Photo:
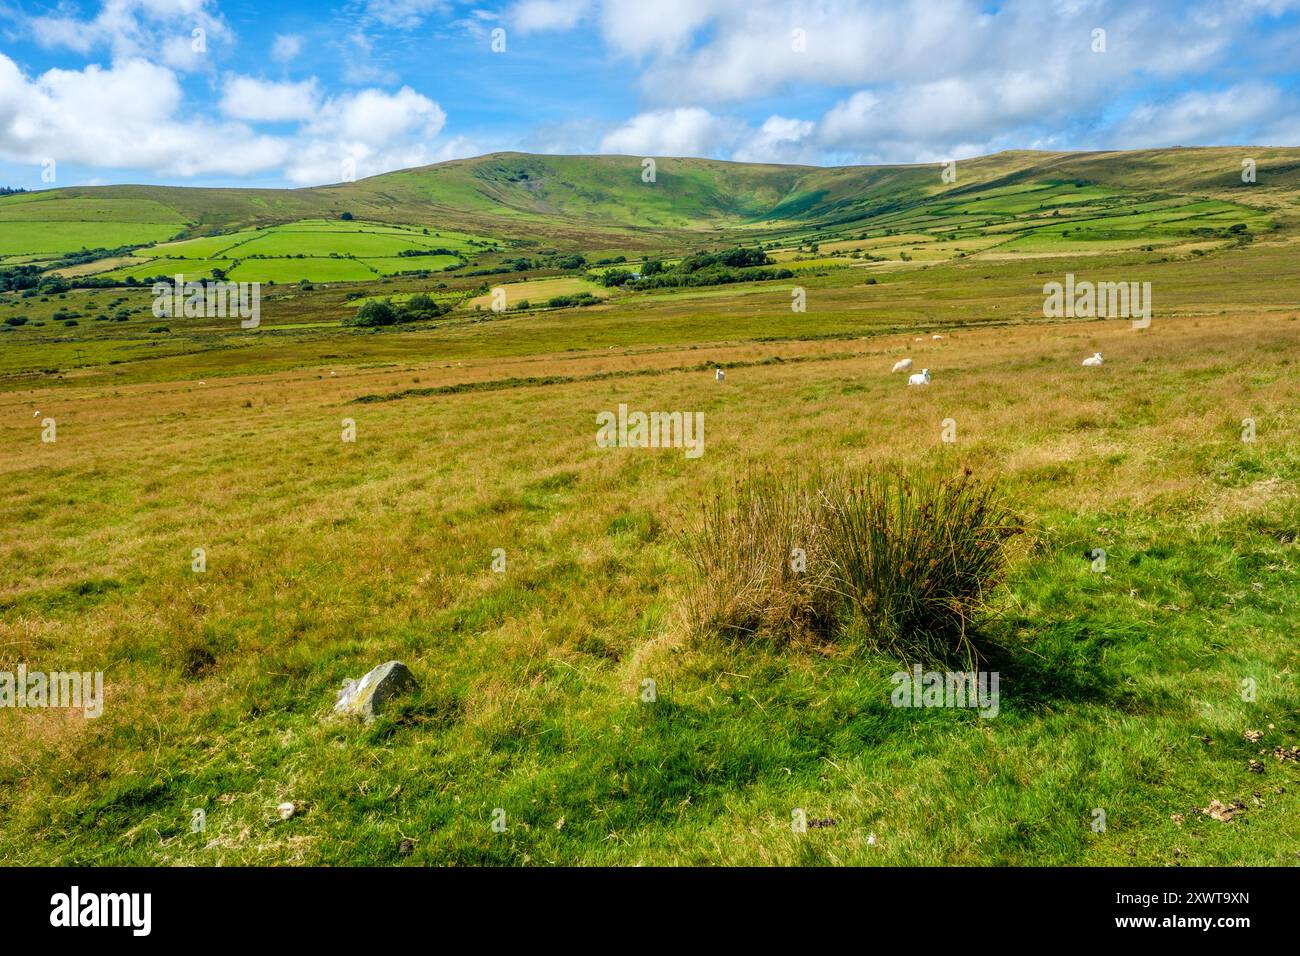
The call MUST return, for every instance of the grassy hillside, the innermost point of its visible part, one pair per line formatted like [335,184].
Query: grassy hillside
[601,201]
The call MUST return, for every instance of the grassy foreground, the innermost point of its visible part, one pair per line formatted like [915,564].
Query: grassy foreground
[1120,691]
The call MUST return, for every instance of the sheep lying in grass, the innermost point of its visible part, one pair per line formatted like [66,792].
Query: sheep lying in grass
[902,365]
[1094,361]
[919,378]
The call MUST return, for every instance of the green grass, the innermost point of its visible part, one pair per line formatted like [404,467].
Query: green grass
[1120,688]
[320,269]
[40,236]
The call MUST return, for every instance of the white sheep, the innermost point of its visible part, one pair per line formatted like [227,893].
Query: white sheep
[902,365]
[936,338]
[919,378]
[719,375]
[1094,361]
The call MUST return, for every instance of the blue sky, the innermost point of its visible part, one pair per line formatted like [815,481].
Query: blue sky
[234,92]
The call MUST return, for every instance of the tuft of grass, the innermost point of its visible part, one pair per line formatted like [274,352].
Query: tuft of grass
[907,558]
[758,563]
[917,555]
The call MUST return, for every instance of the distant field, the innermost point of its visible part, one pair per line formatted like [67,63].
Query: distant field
[319,251]
[320,269]
[37,236]
[539,290]
[191,268]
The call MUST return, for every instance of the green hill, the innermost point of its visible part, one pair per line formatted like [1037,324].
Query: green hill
[603,202]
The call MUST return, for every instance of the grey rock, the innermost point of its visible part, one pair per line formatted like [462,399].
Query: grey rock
[367,697]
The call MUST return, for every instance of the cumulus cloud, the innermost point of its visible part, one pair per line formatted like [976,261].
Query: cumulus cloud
[779,140]
[246,98]
[121,117]
[132,115]
[689,131]
[376,116]
[366,133]
[921,79]
[176,31]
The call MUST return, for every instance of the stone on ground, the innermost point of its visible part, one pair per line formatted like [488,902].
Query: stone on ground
[366,698]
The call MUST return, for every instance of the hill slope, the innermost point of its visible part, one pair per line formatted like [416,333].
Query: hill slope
[602,201]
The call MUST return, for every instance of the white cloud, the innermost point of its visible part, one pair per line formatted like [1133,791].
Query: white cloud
[527,16]
[779,140]
[133,116]
[359,66]
[1228,117]
[921,79]
[246,98]
[286,47]
[664,27]
[371,132]
[680,132]
[139,28]
[375,116]
[121,117]
[405,14]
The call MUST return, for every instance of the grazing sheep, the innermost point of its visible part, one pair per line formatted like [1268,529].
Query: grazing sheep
[902,365]
[936,337]
[1094,361]
[919,378]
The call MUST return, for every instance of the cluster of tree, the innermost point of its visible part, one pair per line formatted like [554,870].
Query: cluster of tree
[570,301]
[566,261]
[28,280]
[380,312]
[11,190]
[427,252]
[703,268]
[17,278]
[90,255]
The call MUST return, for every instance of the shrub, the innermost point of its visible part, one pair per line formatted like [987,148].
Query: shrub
[743,581]
[374,313]
[421,302]
[916,557]
[906,559]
